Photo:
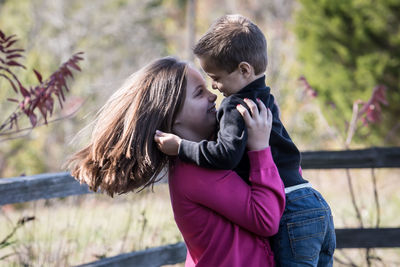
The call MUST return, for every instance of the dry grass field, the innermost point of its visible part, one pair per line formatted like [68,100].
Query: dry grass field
[82,229]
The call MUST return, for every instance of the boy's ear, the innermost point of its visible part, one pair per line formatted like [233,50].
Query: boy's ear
[245,68]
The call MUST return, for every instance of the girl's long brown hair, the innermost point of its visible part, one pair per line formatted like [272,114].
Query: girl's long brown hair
[122,155]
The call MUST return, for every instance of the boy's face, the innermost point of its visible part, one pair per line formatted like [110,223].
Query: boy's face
[226,83]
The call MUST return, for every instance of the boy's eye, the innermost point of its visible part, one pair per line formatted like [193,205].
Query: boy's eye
[214,78]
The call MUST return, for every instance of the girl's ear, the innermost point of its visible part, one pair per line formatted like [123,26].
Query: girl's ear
[245,69]
[176,124]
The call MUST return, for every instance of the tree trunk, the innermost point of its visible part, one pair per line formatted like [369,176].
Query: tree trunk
[191,28]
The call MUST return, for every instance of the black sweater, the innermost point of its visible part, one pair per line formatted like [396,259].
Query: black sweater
[228,151]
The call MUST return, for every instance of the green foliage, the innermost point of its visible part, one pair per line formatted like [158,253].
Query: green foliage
[347,47]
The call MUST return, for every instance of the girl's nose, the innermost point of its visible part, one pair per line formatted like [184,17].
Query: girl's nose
[212,97]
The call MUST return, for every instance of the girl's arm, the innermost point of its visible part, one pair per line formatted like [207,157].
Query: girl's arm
[259,207]
[256,208]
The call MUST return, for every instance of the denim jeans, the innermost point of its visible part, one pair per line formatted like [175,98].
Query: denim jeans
[306,235]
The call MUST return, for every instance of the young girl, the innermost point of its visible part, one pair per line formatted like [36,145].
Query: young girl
[223,220]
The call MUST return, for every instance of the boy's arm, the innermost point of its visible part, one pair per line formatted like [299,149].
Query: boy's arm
[227,151]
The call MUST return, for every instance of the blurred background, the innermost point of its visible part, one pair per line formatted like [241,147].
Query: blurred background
[334,67]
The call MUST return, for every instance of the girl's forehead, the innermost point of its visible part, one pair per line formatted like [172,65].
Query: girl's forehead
[203,73]
[195,76]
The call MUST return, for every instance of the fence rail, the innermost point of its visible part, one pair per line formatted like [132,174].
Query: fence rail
[176,253]
[152,257]
[368,238]
[41,186]
[53,185]
[374,157]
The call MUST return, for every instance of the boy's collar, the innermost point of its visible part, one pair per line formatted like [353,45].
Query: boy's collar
[258,83]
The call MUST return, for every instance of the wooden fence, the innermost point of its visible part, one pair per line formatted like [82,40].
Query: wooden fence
[53,185]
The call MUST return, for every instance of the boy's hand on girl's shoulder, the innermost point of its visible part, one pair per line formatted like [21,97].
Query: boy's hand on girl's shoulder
[167,143]
[258,122]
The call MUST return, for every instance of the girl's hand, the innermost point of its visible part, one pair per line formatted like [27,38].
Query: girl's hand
[167,143]
[259,124]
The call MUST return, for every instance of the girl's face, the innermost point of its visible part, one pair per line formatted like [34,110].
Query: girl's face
[196,120]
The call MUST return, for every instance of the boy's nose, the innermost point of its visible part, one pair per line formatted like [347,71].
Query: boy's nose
[212,97]
[214,85]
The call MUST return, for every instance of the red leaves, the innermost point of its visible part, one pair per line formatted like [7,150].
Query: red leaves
[41,96]
[371,110]
[73,65]
[307,87]
[9,61]
[33,119]
[10,43]
[38,75]
[10,81]
[13,56]
[23,91]
[37,97]
[5,43]
[12,100]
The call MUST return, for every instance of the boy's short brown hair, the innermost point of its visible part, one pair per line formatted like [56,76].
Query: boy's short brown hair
[232,39]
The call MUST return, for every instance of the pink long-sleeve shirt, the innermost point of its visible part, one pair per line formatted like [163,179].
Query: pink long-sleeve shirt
[223,220]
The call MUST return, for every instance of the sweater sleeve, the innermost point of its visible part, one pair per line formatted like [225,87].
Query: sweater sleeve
[226,152]
[257,208]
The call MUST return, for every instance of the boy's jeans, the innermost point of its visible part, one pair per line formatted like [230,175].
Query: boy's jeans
[306,234]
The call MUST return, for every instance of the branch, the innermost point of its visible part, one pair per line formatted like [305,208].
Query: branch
[37,125]
[376,198]
[41,97]
[351,263]
[353,198]
[34,98]
[20,223]
[353,124]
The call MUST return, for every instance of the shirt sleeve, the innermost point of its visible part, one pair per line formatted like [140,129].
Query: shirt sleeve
[257,207]
[226,152]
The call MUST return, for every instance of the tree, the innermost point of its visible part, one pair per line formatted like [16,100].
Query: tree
[348,48]
[119,36]
[39,98]
[30,101]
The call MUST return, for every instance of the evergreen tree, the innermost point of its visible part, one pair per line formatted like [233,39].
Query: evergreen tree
[347,48]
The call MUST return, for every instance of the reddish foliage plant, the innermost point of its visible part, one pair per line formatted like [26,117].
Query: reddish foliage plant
[370,112]
[39,97]
[307,87]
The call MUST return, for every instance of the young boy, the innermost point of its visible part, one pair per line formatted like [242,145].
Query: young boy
[233,53]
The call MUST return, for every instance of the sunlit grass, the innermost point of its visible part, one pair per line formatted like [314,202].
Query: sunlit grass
[81,229]
[334,187]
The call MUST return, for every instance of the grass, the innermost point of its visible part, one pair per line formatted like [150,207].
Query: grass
[333,186]
[81,229]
